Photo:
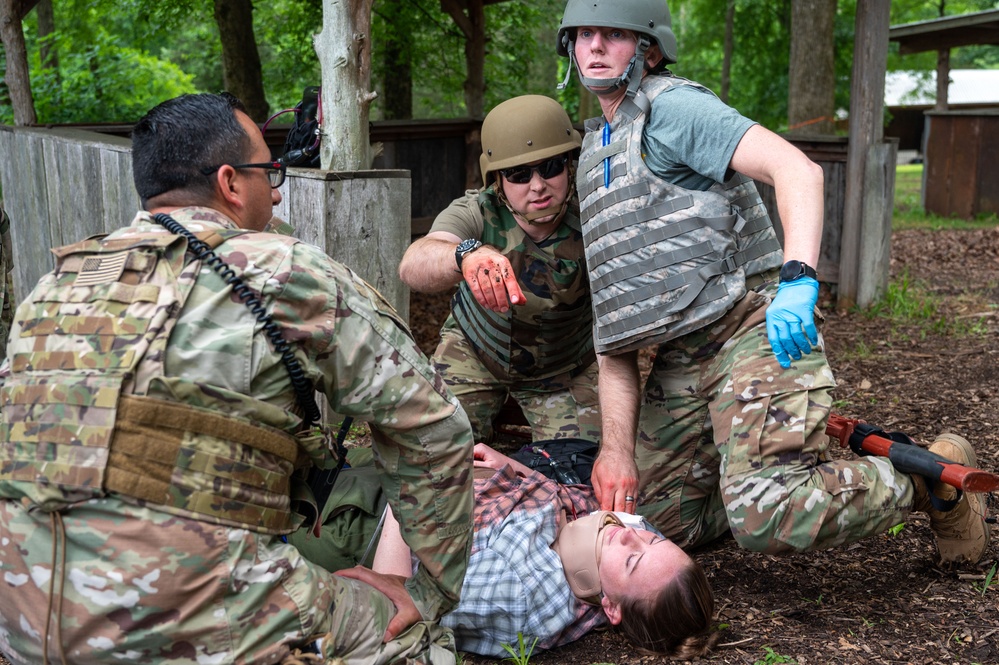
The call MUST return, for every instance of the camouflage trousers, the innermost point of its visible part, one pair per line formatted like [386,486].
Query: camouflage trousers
[559,407]
[106,581]
[729,441]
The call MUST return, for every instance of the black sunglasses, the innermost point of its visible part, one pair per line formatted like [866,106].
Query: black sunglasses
[520,175]
[275,170]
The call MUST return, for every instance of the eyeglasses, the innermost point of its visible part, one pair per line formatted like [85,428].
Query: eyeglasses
[548,169]
[276,171]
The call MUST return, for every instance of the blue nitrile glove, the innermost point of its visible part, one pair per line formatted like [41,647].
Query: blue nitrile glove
[791,319]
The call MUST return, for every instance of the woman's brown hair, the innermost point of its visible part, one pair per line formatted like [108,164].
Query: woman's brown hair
[677,621]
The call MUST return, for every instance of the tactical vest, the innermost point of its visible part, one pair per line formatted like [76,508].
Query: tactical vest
[663,260]
[552,333]
[76,423]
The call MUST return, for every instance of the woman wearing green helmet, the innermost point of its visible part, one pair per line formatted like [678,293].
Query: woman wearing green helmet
[730,434]
[520,321]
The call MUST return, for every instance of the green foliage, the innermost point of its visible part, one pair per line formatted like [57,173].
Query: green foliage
[759,70]
[119,57]
[104,81]
[897,529]
[520,53]
[771,657]
[522,654]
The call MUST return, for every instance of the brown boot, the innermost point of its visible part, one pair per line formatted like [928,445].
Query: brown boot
[962,534]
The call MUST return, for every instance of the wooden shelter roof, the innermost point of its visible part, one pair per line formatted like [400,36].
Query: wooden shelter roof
[947,32]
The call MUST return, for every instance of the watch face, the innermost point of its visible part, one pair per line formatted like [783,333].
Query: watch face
[467,245]
[790,271]
[464,247]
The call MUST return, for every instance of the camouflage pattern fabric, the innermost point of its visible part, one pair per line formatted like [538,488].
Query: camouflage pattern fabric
[6,280]
[562,406]
[127,581]
[548,335]
[729,441]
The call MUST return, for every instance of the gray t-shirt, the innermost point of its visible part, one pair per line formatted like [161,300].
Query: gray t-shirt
[690,137]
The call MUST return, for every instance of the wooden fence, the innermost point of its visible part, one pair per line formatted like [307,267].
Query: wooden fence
[61,185]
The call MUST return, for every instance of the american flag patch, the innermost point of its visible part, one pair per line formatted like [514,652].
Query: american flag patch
[102,269]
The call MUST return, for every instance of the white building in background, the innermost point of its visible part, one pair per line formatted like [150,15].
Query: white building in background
[967,86]
[909,94]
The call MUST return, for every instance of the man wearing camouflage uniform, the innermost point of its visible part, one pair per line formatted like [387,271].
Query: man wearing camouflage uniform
[155,400]
[520,322]
[682,254]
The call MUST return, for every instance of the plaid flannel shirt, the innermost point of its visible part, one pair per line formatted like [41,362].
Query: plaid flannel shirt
[515,582]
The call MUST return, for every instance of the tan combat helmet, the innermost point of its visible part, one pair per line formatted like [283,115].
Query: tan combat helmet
[523,130]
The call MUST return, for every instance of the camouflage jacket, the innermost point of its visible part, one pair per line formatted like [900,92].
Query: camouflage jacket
[350,344]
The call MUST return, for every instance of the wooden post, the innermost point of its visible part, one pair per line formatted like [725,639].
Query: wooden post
[875,236]
[360,218]
[943,79]
[867,90]
[344,50]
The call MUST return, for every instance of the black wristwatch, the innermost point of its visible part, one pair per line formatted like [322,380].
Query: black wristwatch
[464,247]
[792,270]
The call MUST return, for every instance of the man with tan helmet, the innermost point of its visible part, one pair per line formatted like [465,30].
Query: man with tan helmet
[520,322]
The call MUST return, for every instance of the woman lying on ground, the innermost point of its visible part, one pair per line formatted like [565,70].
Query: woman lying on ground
[546,563]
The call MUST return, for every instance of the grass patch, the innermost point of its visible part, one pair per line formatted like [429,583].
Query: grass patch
[910,214]
[909,303]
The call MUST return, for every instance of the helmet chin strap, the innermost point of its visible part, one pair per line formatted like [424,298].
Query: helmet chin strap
[604,87]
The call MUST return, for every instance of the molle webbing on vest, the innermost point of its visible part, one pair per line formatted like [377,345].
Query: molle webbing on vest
[224,468]
[560,337]
[551,333]
[663,260]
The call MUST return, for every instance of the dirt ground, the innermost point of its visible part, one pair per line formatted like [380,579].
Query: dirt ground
[882,600]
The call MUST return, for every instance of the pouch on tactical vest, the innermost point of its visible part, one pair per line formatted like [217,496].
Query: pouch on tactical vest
[663,260]
[74,423]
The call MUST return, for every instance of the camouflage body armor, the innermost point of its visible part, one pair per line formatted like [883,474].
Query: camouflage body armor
[663,260]
[88,345]
[551,333]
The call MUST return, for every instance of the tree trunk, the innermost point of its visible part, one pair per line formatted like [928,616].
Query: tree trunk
[17,74]
[241,72]
[397,62]
[728,49]
[49,54]
[344,53]
[812,86]
[473,25]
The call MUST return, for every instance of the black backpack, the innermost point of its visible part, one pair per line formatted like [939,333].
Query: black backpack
[569,461]
[301,147]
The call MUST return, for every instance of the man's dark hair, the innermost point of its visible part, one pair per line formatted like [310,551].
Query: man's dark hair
[181,136]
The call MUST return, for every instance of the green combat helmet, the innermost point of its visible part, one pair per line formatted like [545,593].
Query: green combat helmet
[523,130]
[647,18]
